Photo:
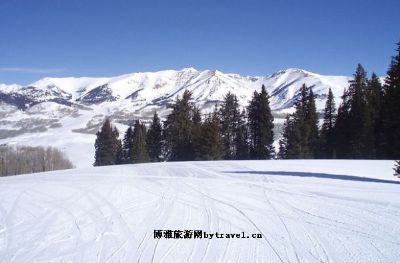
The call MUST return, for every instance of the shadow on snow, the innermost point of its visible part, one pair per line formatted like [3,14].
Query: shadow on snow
[317,175]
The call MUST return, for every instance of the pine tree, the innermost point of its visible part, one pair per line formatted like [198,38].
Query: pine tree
[241,140]
[312,124]
[154,139]
[397,168]
[253,123]
[127,146]
[139,151]
[391,109]
[342,127]
[120,153]
[106,145]
[178,129]
[353,125]
[359,122]
[211,147]
[374,100]
[300,131]
[230,121]
[303,137]
[261,126]
[327,133]
[196,133]
[284,141]
[118,147]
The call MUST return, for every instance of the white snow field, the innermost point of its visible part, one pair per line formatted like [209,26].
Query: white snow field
[306,211]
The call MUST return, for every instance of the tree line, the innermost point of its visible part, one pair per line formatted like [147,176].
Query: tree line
[366,125]
[226,133]
[24,160]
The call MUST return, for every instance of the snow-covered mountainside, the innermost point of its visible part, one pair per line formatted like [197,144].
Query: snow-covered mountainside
[66,112]
[305,211]
[156,89]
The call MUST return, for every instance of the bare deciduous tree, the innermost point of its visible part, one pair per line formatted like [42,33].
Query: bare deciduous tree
[24,160]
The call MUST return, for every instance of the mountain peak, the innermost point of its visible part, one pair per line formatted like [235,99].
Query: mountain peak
[293,70]
[190,69]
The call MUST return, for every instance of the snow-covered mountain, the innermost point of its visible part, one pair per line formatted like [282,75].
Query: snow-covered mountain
[156,89]
[53,109]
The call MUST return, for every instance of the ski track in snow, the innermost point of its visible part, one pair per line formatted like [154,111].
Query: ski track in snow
[108,214]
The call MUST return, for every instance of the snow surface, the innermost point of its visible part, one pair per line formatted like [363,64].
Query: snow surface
[306,211]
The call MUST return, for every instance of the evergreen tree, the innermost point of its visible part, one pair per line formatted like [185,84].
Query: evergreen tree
[118,147]
[120,153]
[391,109]
[230,121]
[359,122]
[374,100]
[211,147]
[106,145]
[241,140]
[284,141]
[178,130]
[300,131]
[342,127]
[139,150]
[397,168]
[196,133]
[261,126]
[312,124]
[327,133]
[354,127]
[154,139]
[127,146]
[298,143]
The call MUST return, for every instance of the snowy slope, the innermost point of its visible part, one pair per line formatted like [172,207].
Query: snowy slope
[306,211]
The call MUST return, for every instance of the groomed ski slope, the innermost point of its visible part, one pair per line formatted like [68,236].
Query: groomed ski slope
[306,211]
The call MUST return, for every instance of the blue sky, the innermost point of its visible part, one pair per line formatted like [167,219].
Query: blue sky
[111,37]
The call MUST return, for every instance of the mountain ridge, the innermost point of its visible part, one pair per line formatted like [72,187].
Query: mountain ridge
[67,112]
[161,86]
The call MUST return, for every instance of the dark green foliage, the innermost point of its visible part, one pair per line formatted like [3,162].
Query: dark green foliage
[391,109]
[231,121]
[286,141]
[178,130]
[397,168]
[106,145]
[120,153]
[355,126]
[360,125]
[118,147]
[374,101]
[139,151]
[327,148]
[311,120]
[342,131]
[154,139]
[196,134]
[127,145]
[242,138]
[261,126]
[300,131]
[211,147]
